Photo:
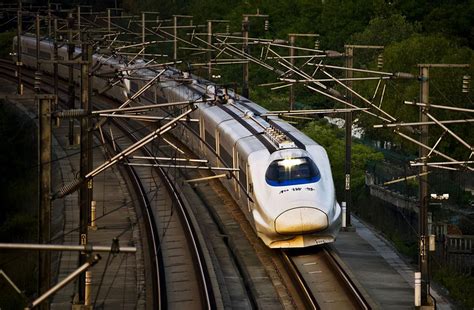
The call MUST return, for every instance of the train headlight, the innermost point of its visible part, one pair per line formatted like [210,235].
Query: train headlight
[290,162]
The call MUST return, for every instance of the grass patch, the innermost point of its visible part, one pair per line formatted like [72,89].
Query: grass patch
[405,247]
[460,287]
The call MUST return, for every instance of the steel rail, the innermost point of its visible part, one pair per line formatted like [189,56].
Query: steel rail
[152,234]
[199,256]
[349,283]
[308,296]
[159,281]
[207,292]
[308,290]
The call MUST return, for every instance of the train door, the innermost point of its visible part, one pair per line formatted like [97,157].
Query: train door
[235,164]
[201,134]
[251,198]
[218,148]
[210,139]
[244,181]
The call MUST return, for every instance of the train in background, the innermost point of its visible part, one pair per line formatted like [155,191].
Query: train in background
[283,184]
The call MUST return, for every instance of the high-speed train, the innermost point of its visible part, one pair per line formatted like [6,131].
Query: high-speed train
[282,180]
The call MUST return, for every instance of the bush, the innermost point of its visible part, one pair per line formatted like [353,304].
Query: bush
[460,287]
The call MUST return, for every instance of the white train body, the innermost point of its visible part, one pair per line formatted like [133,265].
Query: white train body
[284,183]
[294,207]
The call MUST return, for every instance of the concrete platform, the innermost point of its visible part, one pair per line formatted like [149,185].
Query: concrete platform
[379,268]
[118,280]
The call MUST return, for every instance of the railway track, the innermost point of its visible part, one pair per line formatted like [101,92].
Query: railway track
[182,259]
[323,281]
[179,273]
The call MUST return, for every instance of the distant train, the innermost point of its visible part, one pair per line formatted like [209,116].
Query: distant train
[284,183]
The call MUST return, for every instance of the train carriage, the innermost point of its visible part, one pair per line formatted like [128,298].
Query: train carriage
[284,183]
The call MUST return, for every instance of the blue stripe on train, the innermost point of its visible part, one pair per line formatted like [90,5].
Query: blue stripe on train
[294,181]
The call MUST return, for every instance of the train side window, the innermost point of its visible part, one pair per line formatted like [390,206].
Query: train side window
[133,87]
[150,95]
[226,157]
[44,55]
[194,126]
[210,139]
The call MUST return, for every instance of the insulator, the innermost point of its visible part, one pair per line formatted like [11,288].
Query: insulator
[37,82]
[73,113]
[334,92]
[380,61]
[68,188]
[316,44]
[267,24]
[466,81]
[227,28]
[404,75]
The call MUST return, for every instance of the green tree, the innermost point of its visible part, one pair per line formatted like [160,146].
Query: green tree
[332,139]
[445,84]
[385,30]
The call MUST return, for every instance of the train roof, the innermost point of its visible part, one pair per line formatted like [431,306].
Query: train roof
[242,118]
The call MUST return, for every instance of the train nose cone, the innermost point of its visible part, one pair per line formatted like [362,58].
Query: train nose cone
[301,220]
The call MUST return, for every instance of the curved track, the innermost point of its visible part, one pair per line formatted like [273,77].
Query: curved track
[178,279]
[317,272]
[181,257]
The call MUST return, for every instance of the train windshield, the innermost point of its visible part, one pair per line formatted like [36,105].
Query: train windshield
[292,171]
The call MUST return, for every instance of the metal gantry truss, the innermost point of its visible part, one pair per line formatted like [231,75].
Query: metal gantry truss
[129,40]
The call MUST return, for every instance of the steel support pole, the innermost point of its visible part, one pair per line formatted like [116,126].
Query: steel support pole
[143,33]
[175,38]
[108,21]
[37,82]
[79,23]
[292,61]
[56,58]
[49,20]
[71,84]
[19,64]
[245,48]
[423,259]
[44,157]
[348,126]
[209,54]
[85,192]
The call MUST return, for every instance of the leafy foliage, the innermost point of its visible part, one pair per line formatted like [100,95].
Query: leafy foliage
[332,139]
[460,287]
[18,176]
[6,39]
